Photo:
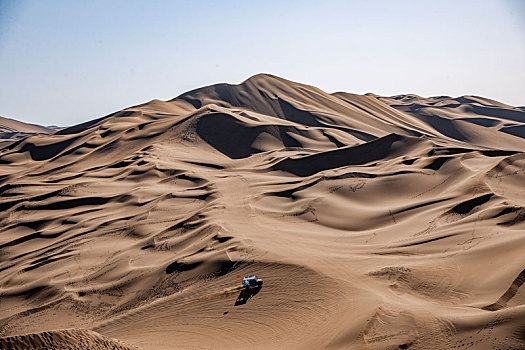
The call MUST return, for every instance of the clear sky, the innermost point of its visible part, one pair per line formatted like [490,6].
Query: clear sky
[65,62]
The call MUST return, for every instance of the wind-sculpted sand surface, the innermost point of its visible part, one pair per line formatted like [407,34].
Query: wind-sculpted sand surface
[375,222]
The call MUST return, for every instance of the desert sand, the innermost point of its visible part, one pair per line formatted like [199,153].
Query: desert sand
[12,130]
[375,222]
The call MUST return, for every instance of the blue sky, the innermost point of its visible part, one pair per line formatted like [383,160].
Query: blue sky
[65,62]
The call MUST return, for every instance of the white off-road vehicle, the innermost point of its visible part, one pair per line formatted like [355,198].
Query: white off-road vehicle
[251,282]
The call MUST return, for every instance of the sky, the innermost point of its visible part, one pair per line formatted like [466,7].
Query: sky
[66,62]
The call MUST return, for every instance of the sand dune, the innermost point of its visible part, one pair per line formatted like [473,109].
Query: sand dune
[375,222]
[12,130]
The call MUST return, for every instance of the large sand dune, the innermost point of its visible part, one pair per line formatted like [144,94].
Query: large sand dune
[375,222]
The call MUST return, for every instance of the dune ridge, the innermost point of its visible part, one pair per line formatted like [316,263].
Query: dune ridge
[375,222]
[61,339]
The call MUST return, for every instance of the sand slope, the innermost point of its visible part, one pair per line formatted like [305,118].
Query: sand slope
[63,339]
[375,222]
[12,130]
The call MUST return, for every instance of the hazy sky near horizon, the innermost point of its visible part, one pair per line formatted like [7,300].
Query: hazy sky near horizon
[65,62]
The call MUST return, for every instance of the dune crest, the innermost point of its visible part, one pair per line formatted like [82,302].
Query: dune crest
[375,222]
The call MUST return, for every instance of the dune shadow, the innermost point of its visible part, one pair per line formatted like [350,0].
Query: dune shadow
[371,151]
[246,294]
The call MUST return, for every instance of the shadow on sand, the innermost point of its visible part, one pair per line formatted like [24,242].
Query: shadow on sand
[246,294]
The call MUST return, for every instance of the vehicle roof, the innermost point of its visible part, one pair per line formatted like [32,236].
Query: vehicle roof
[249,277]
